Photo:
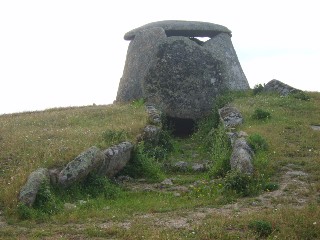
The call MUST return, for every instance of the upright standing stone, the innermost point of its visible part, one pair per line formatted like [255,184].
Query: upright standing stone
[140,53]
[222,49]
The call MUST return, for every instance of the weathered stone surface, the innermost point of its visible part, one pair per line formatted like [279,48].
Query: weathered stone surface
[29,191]
[241,157]
[54,176]
[181,166]
[182,28]
[184,79]
[140,53]
[198,167]
[167,182]
[79,168]
[222,49]
[151,134]
[315,127]
[115,158]
[154,115]
[230,116]
[279,87]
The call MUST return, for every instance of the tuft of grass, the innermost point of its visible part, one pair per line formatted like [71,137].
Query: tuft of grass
[238,182]
[260,114]
[300,95]
[257,142]
[261,227]
[220,153]
[142,165]
[258,88]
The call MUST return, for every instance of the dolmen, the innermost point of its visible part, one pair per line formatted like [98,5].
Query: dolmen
[170,67]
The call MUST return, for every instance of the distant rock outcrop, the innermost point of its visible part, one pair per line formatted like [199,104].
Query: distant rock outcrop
[279,87]
[177,73]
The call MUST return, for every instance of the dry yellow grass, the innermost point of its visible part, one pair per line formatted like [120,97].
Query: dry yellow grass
[54,137]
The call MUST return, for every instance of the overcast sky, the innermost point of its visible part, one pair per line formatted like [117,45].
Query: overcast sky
[61,53]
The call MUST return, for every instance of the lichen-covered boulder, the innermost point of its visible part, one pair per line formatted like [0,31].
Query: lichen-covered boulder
[230,116]
[115,159]
[184,79]
[154,115]
[151,134]
[79,168]
[29,191]
[241,157]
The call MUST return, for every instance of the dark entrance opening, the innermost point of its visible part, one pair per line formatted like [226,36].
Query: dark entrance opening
[181,127]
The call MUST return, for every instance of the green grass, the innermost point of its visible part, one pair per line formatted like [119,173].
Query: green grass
[54,137]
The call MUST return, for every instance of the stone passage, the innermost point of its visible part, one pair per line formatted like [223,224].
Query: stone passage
[176,72]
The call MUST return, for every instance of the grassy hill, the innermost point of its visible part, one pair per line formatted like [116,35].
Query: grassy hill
[281,201]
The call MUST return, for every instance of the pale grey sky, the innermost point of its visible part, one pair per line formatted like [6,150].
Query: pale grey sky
[71,52]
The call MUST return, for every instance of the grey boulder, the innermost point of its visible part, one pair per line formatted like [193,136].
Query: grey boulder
[241,157]
[29,191]
[79,168]
[230,116]
[279,87]
[115,159]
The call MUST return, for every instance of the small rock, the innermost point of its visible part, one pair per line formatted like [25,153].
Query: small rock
[315,127]
[82,202]
[230,116]
[167,181]
[176,194]
[151,134]
[124,179]
[181,166]
[182,189]
[197,167]
[242,134]
[69,206]
[147,189]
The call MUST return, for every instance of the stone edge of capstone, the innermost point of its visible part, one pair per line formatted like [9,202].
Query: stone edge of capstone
[179,25]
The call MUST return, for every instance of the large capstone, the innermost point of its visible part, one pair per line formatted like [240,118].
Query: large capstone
[178,74]
[182,28]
